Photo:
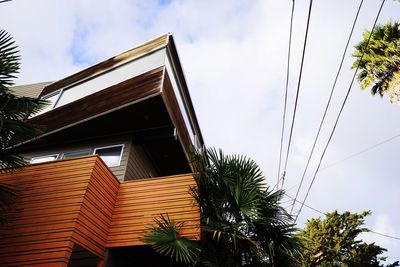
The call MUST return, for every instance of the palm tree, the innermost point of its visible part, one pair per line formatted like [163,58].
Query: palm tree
[242,222]
[380,65]
[13,114]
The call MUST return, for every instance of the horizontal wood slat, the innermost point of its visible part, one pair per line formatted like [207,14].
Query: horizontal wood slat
[59,204]
[138,205]
[79,202]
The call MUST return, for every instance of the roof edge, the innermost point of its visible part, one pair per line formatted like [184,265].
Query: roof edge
[131,54]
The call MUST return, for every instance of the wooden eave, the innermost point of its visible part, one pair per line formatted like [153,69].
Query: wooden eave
[130,55]
[112,98]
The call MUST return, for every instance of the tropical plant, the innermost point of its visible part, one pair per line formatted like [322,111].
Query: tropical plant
[242,222]
[332,241]
[13,114]
[379,61]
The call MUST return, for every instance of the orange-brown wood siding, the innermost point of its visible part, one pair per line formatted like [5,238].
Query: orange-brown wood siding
[140,201]
[59,204]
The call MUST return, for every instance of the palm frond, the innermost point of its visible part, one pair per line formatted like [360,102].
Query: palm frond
[9,60]
[166,240]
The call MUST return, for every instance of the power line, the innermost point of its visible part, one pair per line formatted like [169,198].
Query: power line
[328,103]
[340,111]
[385,235]
[286,89]
[350,157]
[297,92]
[323,213]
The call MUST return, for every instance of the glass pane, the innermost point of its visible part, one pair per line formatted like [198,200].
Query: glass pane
[76,154]
[110,155]
[44,159]
[51,99]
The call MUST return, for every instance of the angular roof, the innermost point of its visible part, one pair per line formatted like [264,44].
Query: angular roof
[30,90]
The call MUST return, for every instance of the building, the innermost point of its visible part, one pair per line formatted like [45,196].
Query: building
[115,153]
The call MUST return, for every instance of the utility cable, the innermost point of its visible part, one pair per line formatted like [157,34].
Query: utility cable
[341,110]
[365,150]
[323,213]
[328,103]
[286,90]
[297,92]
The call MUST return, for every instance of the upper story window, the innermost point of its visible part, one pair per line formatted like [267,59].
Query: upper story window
[52,99]
[45,158]
[111,155]
[76,154]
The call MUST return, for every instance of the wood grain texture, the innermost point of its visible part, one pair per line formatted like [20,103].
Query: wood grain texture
[129,55]
[116,96]
[79,202]
[59,204]
[140,201]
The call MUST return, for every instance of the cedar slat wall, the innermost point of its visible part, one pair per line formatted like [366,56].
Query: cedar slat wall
[140,201]
[58,204]
[80,202]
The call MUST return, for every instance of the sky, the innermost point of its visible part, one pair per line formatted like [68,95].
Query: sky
[234,58]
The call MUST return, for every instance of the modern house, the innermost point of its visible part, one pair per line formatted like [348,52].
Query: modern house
[114,154]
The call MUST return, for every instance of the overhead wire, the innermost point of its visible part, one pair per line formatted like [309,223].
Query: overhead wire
[328,103]
[365,150]
[286,89]
[341,110]
[297,92]
[323,213]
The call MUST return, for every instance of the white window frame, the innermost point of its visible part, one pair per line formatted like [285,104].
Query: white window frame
[120,156]
[44,156]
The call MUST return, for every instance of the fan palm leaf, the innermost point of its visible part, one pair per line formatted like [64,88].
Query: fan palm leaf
[379,60]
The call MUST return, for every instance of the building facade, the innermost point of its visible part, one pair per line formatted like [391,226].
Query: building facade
[114,154]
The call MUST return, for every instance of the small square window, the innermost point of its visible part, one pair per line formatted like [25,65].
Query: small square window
[111,155]
[76,154]
[44,158]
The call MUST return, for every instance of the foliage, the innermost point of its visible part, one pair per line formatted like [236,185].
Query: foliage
[167,240]
[241,220]
[380,65]
[332,241]
[13,113]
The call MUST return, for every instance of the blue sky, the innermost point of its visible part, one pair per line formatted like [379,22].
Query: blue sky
[234,55]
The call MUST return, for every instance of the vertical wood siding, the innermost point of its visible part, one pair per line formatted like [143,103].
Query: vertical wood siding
[138,166]
[59,204]
[140,201]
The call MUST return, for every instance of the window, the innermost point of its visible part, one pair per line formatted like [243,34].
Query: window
[76,154]
[111,155]
[52,99]
[44,158]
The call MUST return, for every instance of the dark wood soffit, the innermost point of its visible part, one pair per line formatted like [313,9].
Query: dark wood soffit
[171,103]
[131,54]
[140,87]
[175,57]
